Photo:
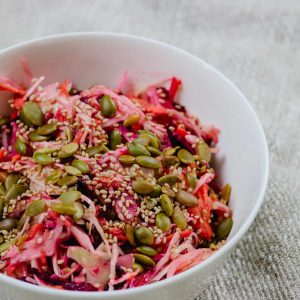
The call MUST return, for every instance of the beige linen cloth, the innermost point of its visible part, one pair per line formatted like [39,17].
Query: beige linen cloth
[255,43]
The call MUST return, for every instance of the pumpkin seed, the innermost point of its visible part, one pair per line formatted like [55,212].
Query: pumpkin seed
[11,179]
[70,196]
[92,151]
[224,229]
[35,137]
[127,159]
[144,235]
[15,191]
[191,179]
[4,120]
[8,224]
[154,141]
[153,150]
[169,179]
[47,129]
[148,162]
[69,134]
[143,140]
[179,218]
[108,106]
[1,239]
[168,191]
[2,190]
[81,165]
[46,150]
[115,139]
[20,147]
[22,221]
[143,187]
[64,208]
[54,176]
[5,246]
[2,204]
[35,208]
[137,149]
[162,221]
[42,159]
[156,191]
[226,191]
[131,120]
[168,161]
[187,199]
[32,114]
[203,151]
[3,176]
[144,260]
[73,171]
[79,211]
[68,150]
[130,234]
[72,188]
[170,151]
[166,204]
[185,156]
[67,181]
[149,251]
[137,266]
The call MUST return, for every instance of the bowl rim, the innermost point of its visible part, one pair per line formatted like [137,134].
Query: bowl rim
[4,279]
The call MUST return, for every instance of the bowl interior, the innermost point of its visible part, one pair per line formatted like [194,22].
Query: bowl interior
[100,58]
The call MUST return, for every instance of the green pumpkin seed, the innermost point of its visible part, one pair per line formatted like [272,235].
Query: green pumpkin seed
[54,176]
[1,239]
[108,106]
[42,159]
[168,191]
[154,141]
[170,151]
[8,224]
[70,196]
[224,229]
[22,221]
[73,171]
[67,181]
[187,199]
[115,139]
[2,190]
[143,140]
[137,149]
[144,235]
[3,176]
[156,191]
[162,221]
[185,156]
[15,191]
[179,218]
[11,179]
[148,162]
[72,188]
[81,165]
[79,211]
[203,151]
[4,120]
[130,234]
[169,179]
[69,134]
[20,147]
[2,205]
[153,150]
[137,266]
[166,204]
[144,260]
[127,159]
[68,150]
[64,208]
[47,129]
[168,161]
[149,251]
[32,114]
[92,151]
[35,208]
[143,187]
[5,246]
[35,137]
[226,191]
[191,179]
[131,120]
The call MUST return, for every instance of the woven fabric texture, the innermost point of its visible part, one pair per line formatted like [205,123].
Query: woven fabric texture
[256,44]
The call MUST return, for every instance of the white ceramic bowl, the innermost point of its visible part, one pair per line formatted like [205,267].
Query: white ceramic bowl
[87,58]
